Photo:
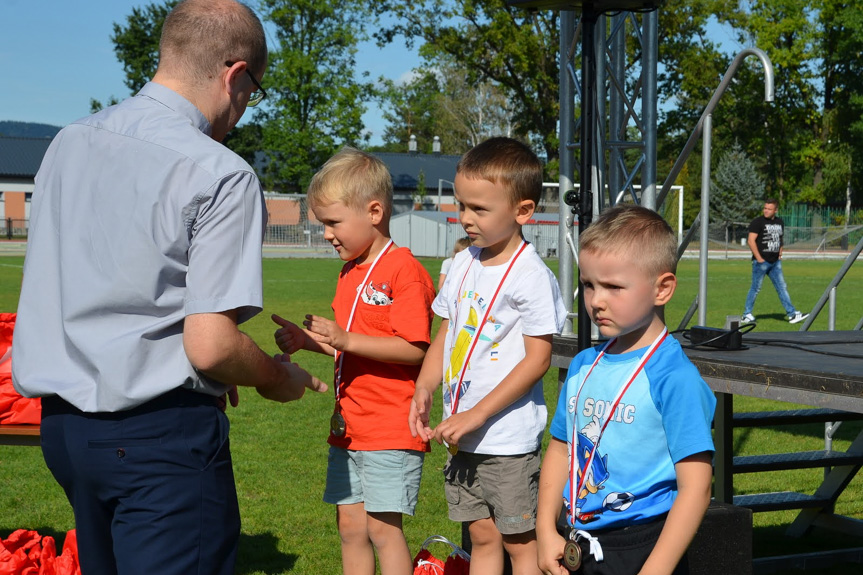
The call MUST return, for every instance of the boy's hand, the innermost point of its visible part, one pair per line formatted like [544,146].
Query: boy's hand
[418,418]
[326,331]
[549,554]
[454,427]
[289,337]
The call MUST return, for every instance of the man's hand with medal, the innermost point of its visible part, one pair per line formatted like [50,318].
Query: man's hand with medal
[322,335]
[294,383]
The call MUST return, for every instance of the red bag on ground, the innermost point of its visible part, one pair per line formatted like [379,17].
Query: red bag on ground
[14,409]
[28,553]
[457,562]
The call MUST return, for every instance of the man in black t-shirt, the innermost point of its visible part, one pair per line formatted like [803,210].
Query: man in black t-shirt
[765,242]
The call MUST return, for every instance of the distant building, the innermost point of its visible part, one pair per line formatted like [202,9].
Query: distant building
[433,234]
[438,170]
[19,161]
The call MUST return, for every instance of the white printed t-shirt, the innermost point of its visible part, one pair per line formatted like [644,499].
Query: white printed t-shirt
[529,303]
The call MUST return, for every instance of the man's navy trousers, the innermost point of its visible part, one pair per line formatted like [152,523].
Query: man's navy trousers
[152,488]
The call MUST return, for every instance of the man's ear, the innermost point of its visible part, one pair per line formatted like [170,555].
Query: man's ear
[376,212]
[665,285]
[524,211]
[233,75]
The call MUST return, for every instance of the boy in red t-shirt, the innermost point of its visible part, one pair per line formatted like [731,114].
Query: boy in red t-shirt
[379,338]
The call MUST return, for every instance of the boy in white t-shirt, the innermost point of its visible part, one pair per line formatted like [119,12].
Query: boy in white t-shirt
[500,306]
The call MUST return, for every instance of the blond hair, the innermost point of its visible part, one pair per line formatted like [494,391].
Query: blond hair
[505,162]
[354,178]
[630,230]
[199,36]
[460,244]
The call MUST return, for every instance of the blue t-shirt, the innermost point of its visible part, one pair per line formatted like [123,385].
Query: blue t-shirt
[663,417]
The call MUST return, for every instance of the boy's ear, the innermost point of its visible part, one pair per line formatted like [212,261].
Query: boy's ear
[665,285]
[524,211]
[376,212]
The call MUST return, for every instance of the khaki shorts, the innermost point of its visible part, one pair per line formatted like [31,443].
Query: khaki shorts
[503,487]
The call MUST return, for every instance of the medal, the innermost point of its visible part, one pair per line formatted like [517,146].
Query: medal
[337,425]
[572,555]
[452,448]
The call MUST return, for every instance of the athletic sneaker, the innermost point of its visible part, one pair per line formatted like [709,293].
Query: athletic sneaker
[748,318]
[797,317]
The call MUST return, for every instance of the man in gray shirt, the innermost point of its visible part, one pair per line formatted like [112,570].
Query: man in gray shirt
[144,255]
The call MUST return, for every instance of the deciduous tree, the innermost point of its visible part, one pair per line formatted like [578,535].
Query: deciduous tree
[316,102]
[515,49]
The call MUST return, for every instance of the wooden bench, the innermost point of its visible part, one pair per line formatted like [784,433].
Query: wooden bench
[19,435]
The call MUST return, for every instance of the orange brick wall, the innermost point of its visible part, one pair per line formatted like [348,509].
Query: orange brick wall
[285,212]
[14,205]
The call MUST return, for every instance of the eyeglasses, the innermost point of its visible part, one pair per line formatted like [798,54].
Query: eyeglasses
[259,94]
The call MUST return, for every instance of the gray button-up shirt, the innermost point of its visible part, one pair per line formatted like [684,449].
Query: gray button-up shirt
[138,219]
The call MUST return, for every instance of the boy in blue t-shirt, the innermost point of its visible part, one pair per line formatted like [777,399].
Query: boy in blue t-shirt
[631,445]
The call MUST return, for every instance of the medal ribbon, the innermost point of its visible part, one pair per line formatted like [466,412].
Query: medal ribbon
[339,356]
[573,462]
[454,394]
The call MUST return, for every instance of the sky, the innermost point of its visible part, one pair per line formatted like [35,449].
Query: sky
[57,54]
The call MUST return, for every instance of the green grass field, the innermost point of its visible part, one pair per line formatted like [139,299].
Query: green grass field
[280,450]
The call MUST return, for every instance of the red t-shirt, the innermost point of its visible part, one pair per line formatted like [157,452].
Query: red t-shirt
[375,396]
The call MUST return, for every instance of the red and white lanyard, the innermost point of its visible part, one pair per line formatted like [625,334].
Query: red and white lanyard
[454,390]
[339,356]
[573,457]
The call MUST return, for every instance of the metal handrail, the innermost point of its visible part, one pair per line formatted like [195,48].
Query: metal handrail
[723,85]
[849,261]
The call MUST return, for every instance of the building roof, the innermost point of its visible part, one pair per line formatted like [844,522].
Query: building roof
[21,157]
[405,169]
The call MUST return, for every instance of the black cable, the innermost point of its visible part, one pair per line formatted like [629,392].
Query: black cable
[725,333]
[779,343]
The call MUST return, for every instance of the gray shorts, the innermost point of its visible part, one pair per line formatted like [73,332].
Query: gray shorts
[503,487]
[386,481]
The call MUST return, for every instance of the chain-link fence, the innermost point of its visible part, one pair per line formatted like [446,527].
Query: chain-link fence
[732,236]
[293,229]
[292,225]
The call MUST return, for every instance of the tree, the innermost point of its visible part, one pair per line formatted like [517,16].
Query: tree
[315,103]
[736,189]
[801,141]
[474,112]
[421,191]
[137,44]
[491,41]
[137,47]
[411,108]
[841,46]
[440,102]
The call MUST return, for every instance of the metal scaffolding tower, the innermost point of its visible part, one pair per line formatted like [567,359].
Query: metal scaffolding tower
[608,102]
